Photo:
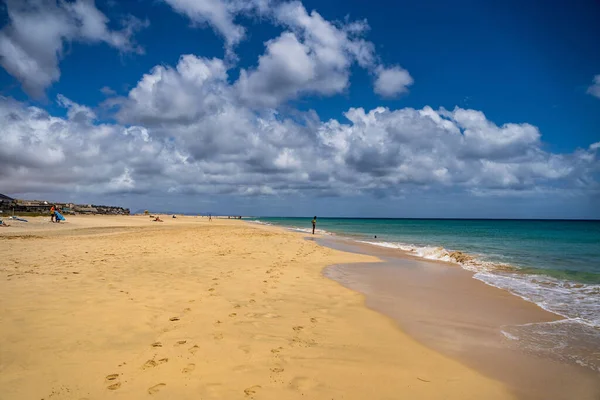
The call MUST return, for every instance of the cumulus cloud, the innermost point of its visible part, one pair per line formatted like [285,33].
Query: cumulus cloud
[290,69]
[220,14]
[197,86]
[313,57]
[594,89]
[185,128]
[391,82]
[31,43]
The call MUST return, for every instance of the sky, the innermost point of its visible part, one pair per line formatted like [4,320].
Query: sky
[464,109]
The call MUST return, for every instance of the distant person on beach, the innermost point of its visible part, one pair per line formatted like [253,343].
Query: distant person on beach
[210,217]
[52,209]
[314,222]
[59,211]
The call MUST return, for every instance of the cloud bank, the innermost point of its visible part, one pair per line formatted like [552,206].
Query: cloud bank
[188,129]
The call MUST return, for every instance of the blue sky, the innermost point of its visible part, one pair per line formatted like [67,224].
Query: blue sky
[469,109]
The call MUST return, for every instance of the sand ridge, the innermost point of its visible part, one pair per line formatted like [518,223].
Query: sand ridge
[120,307]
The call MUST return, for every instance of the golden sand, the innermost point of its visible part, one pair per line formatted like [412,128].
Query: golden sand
[121,307]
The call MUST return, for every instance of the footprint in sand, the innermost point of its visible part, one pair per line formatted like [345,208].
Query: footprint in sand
[154,363]
[173,319]
[313,320]
[298,328]
[112,377]
[186,310]
[252,390]
[276,375]
[189,368]
[232,314]
[237,306]
[156,344]
[301,383]
[180,342]
[245,348]
[194,349]
[156,388]
[218,336]
[211,289]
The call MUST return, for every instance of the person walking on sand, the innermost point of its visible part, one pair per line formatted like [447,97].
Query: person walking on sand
[314,222]
[52,215]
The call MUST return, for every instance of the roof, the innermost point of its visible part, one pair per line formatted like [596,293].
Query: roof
[5,198]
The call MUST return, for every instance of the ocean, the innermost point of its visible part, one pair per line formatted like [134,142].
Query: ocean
[553,263]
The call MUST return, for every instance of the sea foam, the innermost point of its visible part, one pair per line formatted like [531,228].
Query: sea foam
[568,339]
[568,299]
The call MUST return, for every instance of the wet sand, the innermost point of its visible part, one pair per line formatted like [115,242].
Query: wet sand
[121,307]
[443,307]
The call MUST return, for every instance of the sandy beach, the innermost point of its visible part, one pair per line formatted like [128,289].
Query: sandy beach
[121,307]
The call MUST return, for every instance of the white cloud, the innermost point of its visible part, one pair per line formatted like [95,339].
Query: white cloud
[220,14]
[290,69]
[594,89]
[217,13]
[107,91]
[312,58]
[31,43]
[391,82]
[195,87]
[331,43]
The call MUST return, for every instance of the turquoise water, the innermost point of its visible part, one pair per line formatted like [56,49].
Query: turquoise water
[555,264]
[564,249]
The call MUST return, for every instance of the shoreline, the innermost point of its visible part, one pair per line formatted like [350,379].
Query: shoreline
[574,337]
[121,307]
[443,307]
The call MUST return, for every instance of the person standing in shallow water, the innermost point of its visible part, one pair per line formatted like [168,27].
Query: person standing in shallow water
[314,222]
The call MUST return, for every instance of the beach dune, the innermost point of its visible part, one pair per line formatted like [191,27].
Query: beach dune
[121,307]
